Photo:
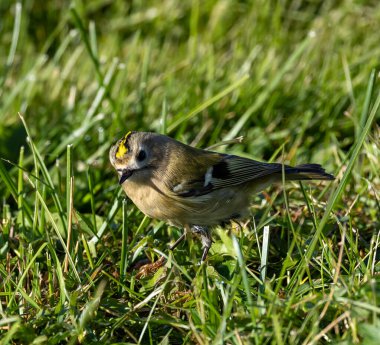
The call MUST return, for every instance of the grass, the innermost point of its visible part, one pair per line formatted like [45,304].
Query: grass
[299,80]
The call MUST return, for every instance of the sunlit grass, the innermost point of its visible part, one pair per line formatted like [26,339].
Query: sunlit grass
[298,81]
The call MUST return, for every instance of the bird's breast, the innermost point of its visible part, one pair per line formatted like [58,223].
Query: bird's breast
[146,198]
[211,209]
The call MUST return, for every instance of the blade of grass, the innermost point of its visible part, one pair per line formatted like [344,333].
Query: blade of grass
[69,224]
[87,251]
[93,46]
[90,181]
[20,187]
[368,97]
[244,277]
[264,257]
[164,113]
[263,270]
[14,42]
[69,201]
[124,243]
[15,34]
[69,175]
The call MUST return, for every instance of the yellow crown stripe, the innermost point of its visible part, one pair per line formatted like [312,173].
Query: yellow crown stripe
[122,149]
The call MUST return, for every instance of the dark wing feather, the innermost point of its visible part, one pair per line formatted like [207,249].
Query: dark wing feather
[230,170]
[234,170]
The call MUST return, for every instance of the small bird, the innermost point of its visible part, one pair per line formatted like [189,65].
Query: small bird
[193,188]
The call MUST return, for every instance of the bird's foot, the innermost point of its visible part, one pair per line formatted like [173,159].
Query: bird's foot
[206,239]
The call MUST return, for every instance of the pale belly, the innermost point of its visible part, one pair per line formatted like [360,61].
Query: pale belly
[210,209]
[148,199]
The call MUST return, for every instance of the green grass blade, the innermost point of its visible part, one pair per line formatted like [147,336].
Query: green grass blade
[15,34]
[368,98]
[264,257]
[243,274]
[124,243]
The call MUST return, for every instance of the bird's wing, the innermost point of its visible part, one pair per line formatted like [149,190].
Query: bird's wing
[234,170]
[225,171]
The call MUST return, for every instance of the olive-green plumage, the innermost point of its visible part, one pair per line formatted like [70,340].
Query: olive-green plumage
[194,188]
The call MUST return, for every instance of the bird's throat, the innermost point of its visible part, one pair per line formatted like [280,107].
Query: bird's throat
[125,175]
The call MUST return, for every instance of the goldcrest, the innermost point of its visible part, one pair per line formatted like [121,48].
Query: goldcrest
[193,188]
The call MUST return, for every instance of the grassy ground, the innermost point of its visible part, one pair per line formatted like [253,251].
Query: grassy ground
[297,79]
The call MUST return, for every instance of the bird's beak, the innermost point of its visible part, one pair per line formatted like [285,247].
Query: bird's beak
[124,176]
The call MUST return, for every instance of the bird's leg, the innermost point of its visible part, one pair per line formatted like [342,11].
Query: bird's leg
[205,252]
[176,243]
[162,259]
[180,239]
[206,239]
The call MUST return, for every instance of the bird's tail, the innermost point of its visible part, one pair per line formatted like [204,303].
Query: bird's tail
[307,172]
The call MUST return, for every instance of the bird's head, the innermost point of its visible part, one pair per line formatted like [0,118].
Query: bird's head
[133,155]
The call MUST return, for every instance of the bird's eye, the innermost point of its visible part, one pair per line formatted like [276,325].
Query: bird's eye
[141,156]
